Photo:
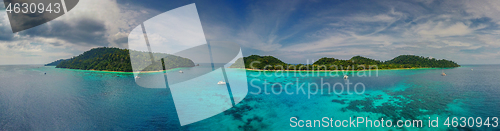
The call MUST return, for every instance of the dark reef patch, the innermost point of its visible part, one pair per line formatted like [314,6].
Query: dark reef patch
[414,102]
[249,126]
[241,109]
[339,101]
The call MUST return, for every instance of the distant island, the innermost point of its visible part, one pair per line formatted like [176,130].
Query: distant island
[355,63]
[115,59]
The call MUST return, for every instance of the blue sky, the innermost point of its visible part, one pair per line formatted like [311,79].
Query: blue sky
[295,31]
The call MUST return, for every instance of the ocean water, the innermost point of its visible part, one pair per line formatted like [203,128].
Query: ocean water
[65,99]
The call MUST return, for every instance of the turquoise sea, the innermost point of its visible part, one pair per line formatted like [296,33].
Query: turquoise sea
[65,99]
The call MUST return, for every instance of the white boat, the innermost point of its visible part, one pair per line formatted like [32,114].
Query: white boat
[221,83]
[345,76]
[443,74]
[181,72]
[137,77]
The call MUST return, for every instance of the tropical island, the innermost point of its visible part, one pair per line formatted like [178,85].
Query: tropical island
[256,62]
[115,59]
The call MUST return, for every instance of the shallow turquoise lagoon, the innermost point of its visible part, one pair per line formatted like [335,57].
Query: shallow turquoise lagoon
[66,99]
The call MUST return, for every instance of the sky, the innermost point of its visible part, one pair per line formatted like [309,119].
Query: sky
[464,31]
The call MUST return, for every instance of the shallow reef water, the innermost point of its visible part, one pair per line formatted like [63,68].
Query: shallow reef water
[89,100]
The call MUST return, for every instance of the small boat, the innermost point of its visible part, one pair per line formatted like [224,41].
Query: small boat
[221,83]
[472,69]
[345,76]
[181,72]
[443,74]
[137,77]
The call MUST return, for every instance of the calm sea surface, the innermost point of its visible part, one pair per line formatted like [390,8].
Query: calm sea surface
[65,99]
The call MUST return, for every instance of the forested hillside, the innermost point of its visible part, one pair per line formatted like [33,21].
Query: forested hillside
[55,63]
[420,61]
[260,62]
[355,63]
[115,59]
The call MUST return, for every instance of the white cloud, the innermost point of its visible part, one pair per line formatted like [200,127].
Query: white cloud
[321,45]
[116,18]
[434,46]
[174,31]
[267,28]
[347,36]
[32,51]
[376,18]
[350,52]
[404,46]
[441,29]
[264,22]
[442,32]
[341,40]
[456,43]
[490,40]
[483,8]
[427,2]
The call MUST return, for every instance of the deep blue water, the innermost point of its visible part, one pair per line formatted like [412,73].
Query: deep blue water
[66,99]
